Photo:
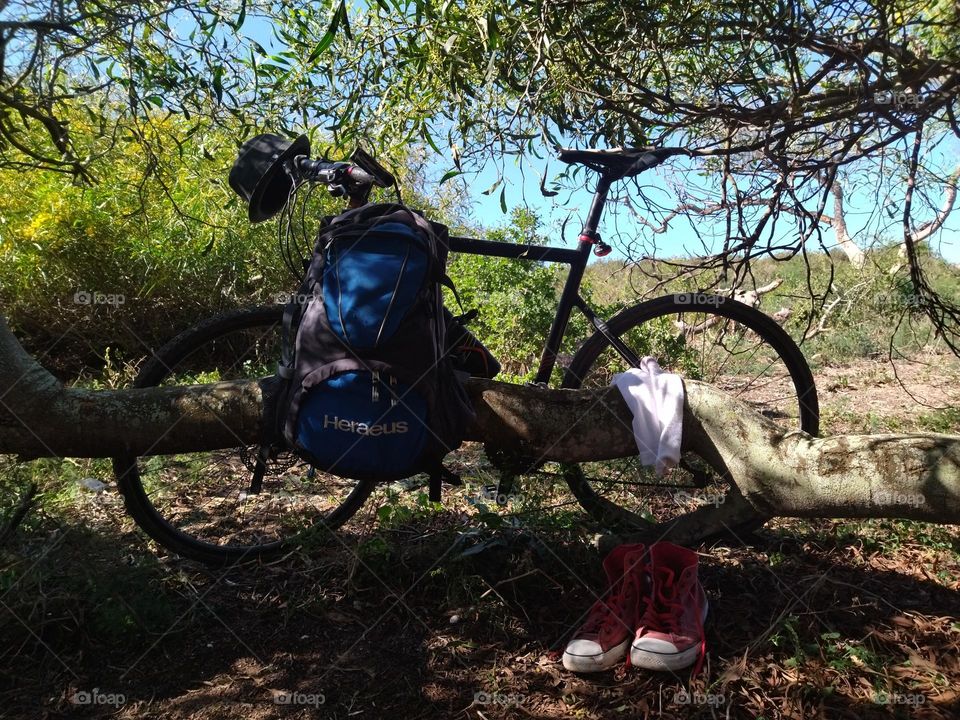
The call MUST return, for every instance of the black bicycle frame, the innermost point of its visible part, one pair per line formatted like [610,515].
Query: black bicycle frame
[570,297]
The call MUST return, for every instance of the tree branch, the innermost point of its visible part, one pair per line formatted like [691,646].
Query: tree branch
[773,472]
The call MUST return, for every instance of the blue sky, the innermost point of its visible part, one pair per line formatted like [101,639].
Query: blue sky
[523,188]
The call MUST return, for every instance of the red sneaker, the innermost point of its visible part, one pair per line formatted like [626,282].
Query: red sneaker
[670,633]
[602,641]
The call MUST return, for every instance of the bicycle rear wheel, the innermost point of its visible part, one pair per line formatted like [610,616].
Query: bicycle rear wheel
[733,346]
[204,505]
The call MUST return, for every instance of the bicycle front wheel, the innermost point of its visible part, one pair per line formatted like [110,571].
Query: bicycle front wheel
[732,346]
[206,506]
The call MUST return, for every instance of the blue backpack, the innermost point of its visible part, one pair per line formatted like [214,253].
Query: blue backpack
[371,392]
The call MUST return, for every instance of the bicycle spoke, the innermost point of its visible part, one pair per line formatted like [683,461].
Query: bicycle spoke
[205,504]
[718,349]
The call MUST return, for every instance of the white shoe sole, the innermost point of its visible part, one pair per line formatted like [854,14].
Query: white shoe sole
[597,663]
[652,660]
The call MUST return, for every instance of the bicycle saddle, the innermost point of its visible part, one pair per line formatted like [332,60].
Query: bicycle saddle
[621,163]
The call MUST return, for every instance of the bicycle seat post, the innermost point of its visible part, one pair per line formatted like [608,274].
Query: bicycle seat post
[590,233]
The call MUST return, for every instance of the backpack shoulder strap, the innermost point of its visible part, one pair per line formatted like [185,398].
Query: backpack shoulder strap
[292,313]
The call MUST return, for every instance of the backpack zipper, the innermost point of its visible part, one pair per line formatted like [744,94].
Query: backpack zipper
[343,328]
[393,297]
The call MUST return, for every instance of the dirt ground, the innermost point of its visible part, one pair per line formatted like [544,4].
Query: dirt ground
[895,395]
[441,617]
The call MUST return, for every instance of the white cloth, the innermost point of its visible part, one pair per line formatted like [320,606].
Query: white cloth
[656,400]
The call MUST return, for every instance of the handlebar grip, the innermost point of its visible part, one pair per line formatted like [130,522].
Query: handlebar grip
[320,169]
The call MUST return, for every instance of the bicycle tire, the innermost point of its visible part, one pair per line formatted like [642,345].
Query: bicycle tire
[583,365]
[156,521]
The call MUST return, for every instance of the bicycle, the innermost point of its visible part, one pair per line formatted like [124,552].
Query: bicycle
[239,503]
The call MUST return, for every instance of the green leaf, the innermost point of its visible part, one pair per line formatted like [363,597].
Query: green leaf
[543,188]
[327,40]
[241,16]
[449,175]
[345,20]
[430,141]
[218,82]
[493,31]
[493,187]
[503,199]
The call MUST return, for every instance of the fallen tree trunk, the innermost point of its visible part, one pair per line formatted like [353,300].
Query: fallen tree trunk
[771,472]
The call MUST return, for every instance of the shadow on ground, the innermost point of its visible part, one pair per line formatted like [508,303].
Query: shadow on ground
[423,621]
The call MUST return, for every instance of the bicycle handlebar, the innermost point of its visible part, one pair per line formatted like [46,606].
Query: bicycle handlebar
[335,173]
[320,170]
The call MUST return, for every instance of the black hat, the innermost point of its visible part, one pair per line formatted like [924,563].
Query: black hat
[258,176]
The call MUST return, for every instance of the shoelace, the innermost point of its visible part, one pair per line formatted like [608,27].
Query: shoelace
[603,614]
[669,619]
[605,611]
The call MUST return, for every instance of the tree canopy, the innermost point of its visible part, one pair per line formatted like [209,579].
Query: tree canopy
[774,104]
[815,84]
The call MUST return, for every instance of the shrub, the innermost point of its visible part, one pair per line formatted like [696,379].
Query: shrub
[516,299]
